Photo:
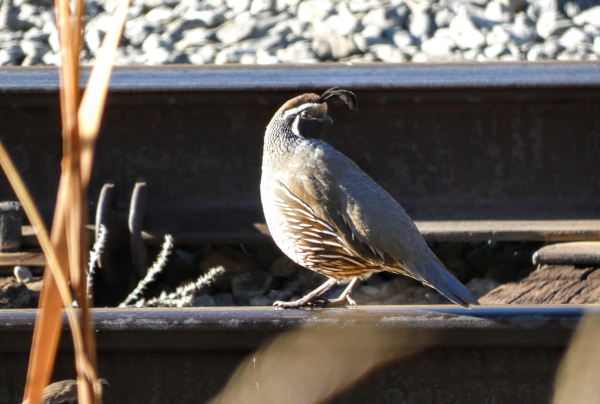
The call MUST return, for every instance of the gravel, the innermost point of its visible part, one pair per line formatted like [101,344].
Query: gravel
[313,31]
[258,275]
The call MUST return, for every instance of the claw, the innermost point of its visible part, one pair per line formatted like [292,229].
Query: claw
[300,303]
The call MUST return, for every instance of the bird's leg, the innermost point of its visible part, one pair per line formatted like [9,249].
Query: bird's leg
[309,298]
[346,295]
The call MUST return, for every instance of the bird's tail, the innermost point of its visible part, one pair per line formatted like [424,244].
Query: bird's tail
[433,273]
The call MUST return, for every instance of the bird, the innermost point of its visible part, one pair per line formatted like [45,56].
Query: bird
[329,216]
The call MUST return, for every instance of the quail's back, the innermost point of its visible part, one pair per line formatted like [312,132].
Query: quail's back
[327,215]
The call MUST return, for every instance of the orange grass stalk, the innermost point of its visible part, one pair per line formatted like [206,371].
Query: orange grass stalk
[80,129]
[64,293]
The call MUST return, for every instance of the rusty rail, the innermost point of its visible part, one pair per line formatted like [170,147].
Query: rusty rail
[470,147]
[188,355]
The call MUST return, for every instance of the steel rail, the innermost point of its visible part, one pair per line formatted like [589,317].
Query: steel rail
[162,355]
[295,77]
[223,327]
[473,152]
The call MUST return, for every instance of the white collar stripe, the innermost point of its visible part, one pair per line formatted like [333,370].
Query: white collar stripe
[295,128]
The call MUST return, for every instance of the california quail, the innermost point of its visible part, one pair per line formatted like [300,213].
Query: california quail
[327,215]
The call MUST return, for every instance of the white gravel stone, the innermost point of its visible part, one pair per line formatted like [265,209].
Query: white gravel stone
[444,17]
[235,31]
[334,46]
[498,36]
[402,39]
[161,15]
[388,53]
[259,6]
[571,9]
[536,52]
[372,32]
[248,59]
[211,18]
[36,34]
[52,59]
[238,6]
[573,37]
[152,42]
[343,23]
[471,54]
[298,52]
[591,30]
[54,41]
[93,39]
[49,27]
[441,44]
[195,37]
[495,51]
[284,5]
[522,31]
[552,47]
[353,31]
[232,54]
[311,10]
[157,56]
[11,55]
[590,16]
[175,30]
[498,12]
[465,33]
[421,25]
[137,30]
[552,23]
[202,55]
[111,5]
[266,58]
[102,22]
[23,274]
[34,49]
[378,17]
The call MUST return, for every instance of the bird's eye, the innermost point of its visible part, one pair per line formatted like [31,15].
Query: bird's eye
[305,114]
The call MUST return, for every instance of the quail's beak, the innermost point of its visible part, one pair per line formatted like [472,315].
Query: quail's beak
[325,119]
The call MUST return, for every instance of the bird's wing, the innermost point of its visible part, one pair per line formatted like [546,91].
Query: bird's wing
[321,239]
[363,211]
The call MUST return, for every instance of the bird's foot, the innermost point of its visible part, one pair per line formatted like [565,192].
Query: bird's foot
[345,297]
[300,303]
[340,302]
[313,299]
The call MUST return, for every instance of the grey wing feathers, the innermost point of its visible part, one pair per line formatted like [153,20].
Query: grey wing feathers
[378,221]
[434,274]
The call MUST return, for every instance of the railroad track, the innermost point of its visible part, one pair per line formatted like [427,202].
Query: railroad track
[506,152]
[484,355]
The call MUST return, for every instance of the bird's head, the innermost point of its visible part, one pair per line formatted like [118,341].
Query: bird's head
[307,114]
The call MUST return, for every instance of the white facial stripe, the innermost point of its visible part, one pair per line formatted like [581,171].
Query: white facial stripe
[295,127]
[300,109]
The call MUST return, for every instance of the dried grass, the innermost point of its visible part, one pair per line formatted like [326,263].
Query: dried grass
[311,365]
[579,373]
[66,249]
[157,267]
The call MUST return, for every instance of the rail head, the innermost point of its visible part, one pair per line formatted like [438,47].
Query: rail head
[554,75]
[249,327]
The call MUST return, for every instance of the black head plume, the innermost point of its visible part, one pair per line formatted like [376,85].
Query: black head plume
[347,96]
